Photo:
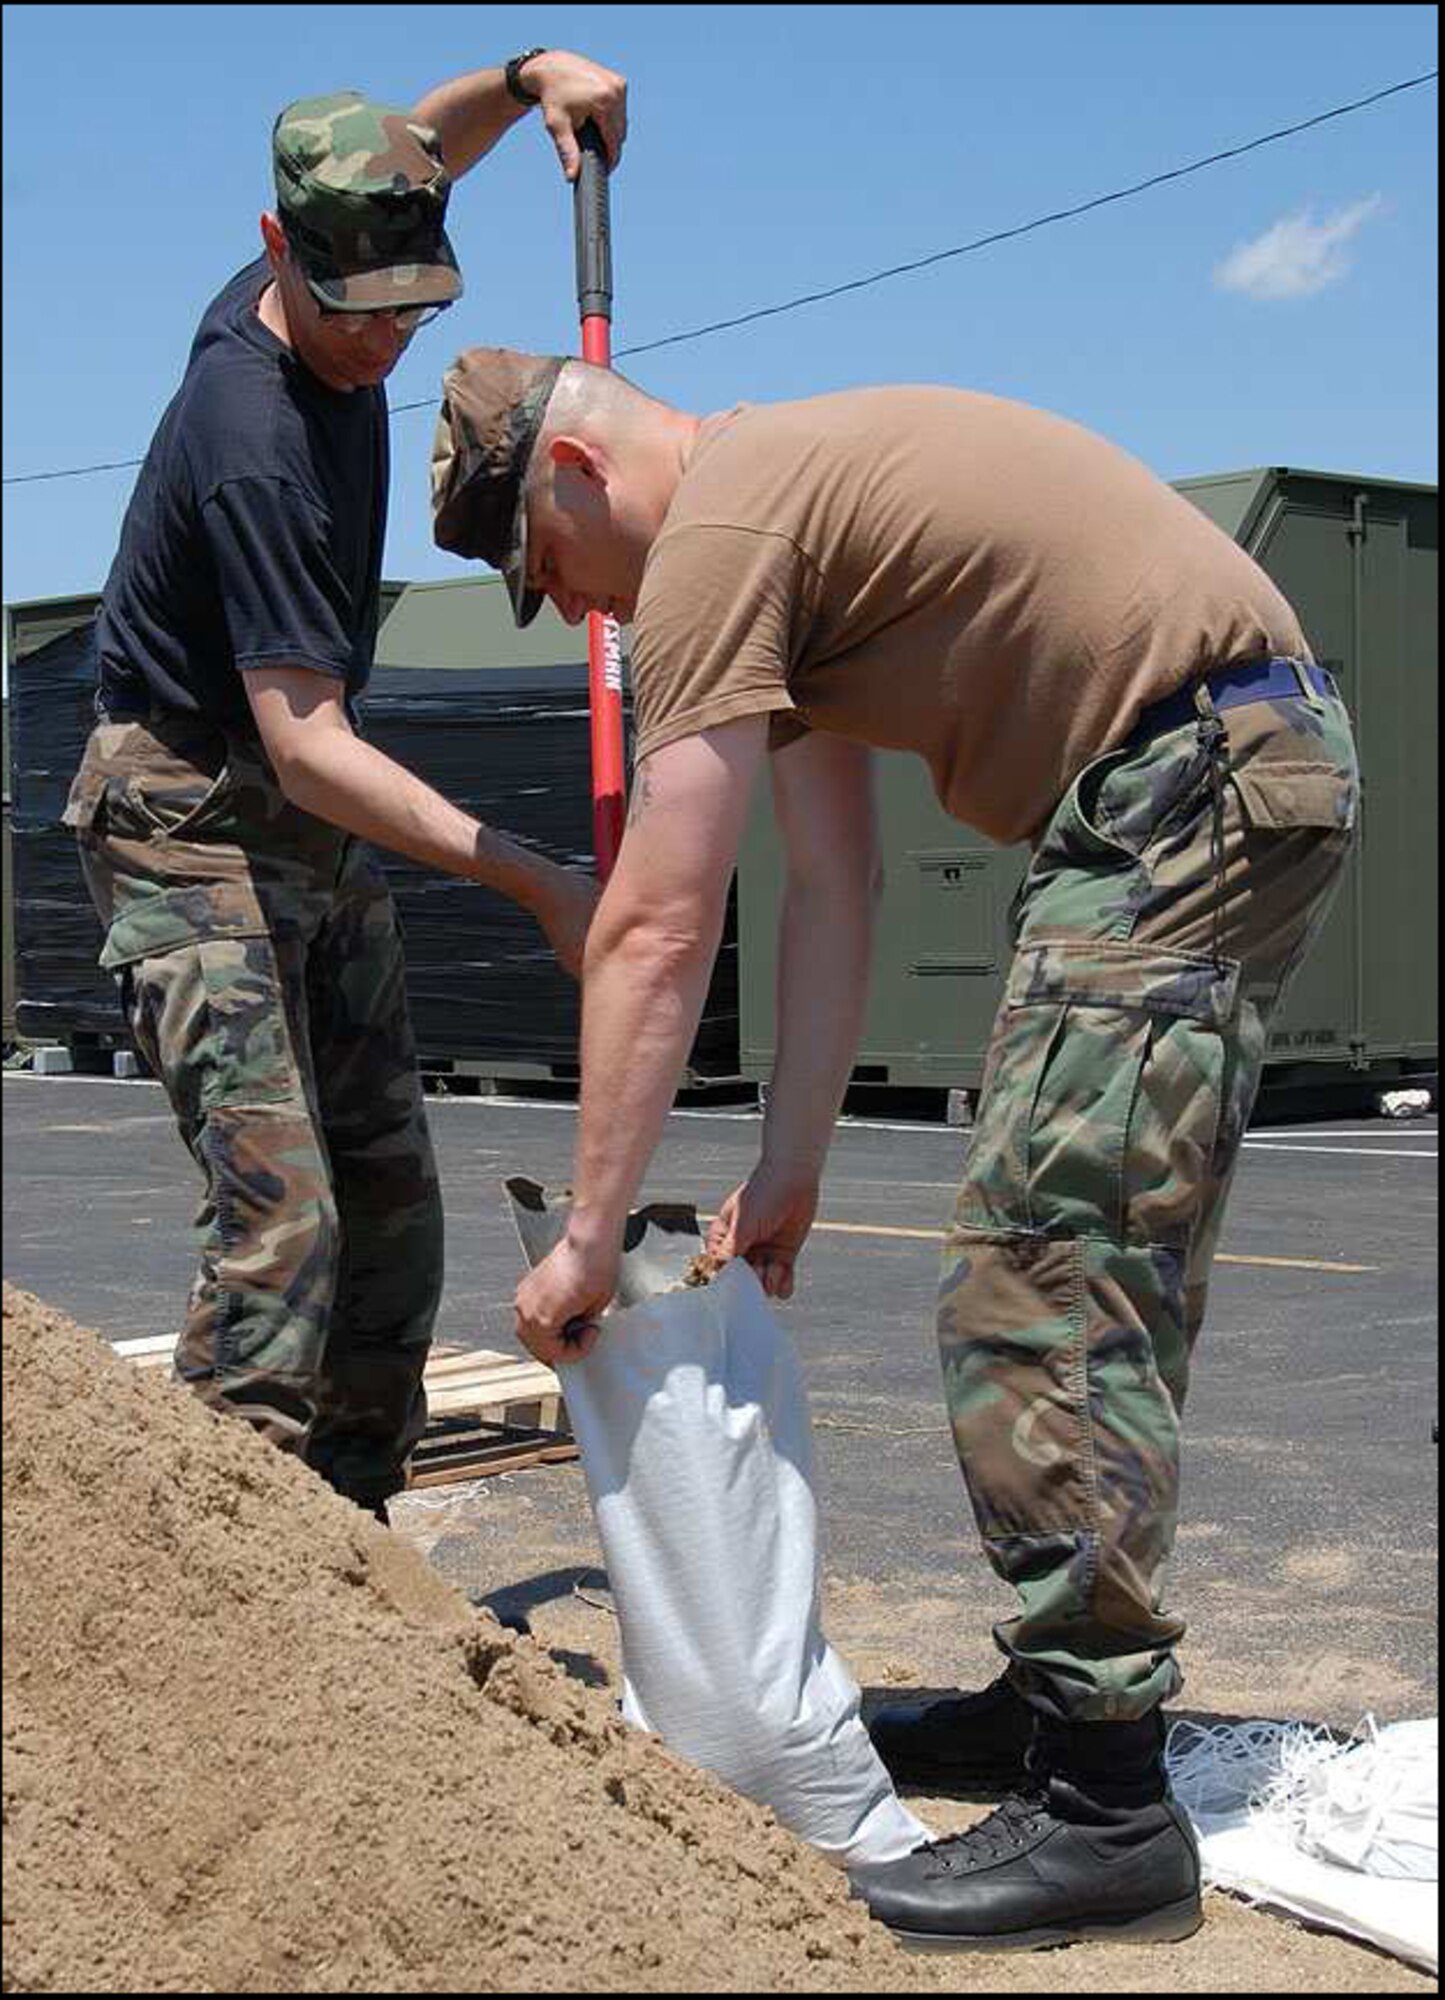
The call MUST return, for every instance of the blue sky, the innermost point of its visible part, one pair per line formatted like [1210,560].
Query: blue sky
[1275,309]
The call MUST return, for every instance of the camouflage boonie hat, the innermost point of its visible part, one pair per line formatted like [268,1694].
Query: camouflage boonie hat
[362,193]
[493,403]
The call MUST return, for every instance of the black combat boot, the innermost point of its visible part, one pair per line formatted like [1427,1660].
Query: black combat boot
[1092,1847]
[968,1743]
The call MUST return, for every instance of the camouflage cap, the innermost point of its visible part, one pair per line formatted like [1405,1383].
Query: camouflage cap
[362,193]
[493,404]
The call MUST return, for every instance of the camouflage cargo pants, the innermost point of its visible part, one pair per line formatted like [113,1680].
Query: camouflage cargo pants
[1123,1067]
[260,968]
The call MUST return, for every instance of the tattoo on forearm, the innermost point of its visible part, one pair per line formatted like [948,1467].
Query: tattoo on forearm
[641,794]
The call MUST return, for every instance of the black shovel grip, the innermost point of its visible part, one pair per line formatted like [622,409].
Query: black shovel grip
[592,219]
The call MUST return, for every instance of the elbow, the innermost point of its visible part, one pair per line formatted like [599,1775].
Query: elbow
[301,720]
[302,761]
[292,770]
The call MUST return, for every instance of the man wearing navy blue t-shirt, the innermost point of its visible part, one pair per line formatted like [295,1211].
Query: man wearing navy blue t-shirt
[225,799]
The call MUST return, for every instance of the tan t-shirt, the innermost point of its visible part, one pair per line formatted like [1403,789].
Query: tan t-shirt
[922,569]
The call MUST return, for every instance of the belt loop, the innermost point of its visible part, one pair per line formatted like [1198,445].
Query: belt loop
[1214,741]
[1306,686]
[1204,706]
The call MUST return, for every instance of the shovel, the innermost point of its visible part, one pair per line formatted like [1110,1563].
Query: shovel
[593,225]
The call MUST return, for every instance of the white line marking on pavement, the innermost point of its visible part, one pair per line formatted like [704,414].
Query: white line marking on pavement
[1342,1152]
[1388,1128]
[1221,1257]
[956,1135]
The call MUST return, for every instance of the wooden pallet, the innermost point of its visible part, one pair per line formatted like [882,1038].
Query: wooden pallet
[489,1413]
[486,1412]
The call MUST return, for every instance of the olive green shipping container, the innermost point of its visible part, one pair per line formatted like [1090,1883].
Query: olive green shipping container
[1357,558]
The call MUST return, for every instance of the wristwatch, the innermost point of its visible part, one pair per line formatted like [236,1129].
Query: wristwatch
[515,86]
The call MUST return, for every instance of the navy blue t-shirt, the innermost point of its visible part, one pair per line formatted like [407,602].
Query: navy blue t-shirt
[254,535]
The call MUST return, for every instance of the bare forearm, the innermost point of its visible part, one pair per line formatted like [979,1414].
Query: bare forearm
[469,115]
[353,785]
[826,945]
[643,996]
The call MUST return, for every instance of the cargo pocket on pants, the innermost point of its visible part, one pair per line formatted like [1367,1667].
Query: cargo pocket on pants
[1105,1102]
[210,1017]
[250,1054]
[1299,823]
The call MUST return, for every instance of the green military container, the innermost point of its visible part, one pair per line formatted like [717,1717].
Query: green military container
[465,625]
[1357,558]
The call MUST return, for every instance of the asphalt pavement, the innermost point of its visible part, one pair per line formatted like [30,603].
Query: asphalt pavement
[1306,1562]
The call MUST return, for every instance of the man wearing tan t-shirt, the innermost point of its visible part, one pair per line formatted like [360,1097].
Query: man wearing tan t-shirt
[1084,662]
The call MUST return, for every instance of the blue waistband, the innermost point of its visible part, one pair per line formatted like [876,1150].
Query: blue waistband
[1231,687]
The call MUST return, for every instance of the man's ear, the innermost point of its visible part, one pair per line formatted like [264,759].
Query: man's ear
[565,451]
[274,237]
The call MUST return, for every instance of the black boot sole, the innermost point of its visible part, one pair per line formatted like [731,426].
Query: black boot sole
[1169,1925]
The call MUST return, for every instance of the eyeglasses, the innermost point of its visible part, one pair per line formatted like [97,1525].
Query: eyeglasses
[406,321]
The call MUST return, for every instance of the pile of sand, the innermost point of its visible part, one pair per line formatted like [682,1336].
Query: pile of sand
[252,1743]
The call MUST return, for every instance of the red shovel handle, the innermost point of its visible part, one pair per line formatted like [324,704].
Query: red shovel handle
[591,215]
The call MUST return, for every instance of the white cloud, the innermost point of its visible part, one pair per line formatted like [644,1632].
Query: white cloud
[1298,256]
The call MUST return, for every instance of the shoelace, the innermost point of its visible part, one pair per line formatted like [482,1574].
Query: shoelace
[1007,1829]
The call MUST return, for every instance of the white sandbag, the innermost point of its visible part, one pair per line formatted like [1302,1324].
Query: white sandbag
[1345,1836]
[693,1424]
[1376,1805]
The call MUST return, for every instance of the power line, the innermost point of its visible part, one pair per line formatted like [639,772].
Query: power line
[1024,229]
[71,472]
[894,270]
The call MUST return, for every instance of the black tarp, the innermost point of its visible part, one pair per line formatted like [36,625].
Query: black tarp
[510,748]
[61,990]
